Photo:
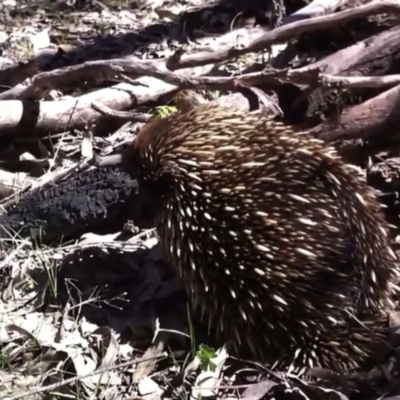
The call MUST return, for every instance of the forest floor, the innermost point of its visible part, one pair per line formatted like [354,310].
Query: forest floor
[88,308]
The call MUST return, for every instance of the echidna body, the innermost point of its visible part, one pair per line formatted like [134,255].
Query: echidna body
[279,242]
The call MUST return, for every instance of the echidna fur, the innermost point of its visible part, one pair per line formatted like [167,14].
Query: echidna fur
[281,244]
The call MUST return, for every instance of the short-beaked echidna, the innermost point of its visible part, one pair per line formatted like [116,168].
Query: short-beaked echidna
[281,244]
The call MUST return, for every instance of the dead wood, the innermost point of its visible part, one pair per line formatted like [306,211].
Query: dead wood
[14,74]
[77,114]
[44,82]
[307,77]
[379,49]
[123,115]
[376,118]
[353,82]
[376,55]
[58,116]
[372,64]
[124,69]
[283,34]
[254,40]
[17,73]
[316,8]
[385,45]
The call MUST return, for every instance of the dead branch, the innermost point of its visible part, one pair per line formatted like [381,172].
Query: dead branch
[46,81]
[376,55]
[302,76]
[376,118]
[78,113]
[122,115]
[283,33]
[17,73]
[315,9]
[58,116]
[361,56]
[310,78]
[55,116]
[133,68]
[309,75]
[374,82]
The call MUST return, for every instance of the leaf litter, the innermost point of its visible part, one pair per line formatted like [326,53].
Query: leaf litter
[90,320]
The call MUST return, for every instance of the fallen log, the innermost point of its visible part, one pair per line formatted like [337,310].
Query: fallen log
[96,200]
[375,119]
[376,56]
[283,34]
[57,116]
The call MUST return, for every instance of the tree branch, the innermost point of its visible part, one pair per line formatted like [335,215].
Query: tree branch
[284,33]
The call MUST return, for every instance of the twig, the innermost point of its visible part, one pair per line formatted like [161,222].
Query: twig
[50,177]
[4,263]
[78,378]
[123,115]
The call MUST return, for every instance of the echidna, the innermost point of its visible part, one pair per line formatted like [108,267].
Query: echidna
[280,243]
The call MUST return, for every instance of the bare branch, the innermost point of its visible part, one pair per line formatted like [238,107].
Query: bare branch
[123,115]
[284,33]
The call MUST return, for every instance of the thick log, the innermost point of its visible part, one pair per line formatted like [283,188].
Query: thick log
[376,56]
[97,200]
[376,119]
[57,116]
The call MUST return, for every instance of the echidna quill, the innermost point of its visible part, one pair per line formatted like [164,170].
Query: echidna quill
[281,245]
